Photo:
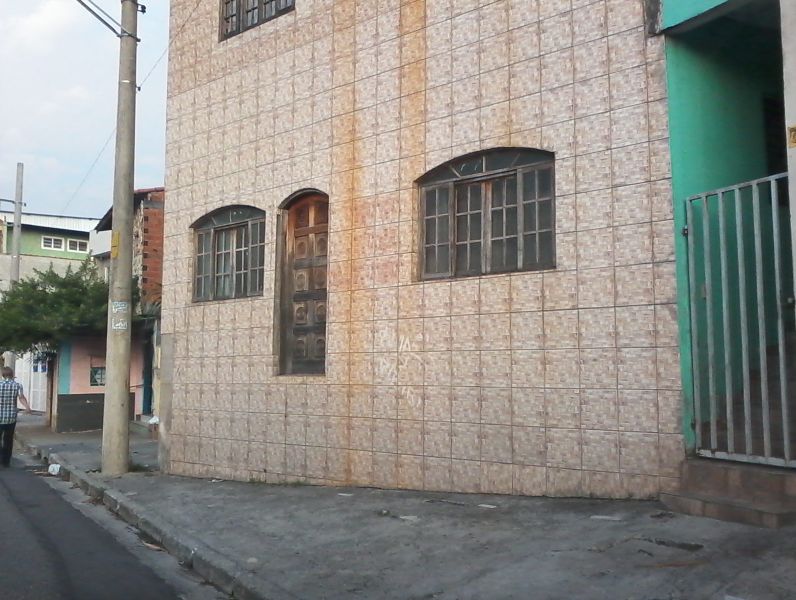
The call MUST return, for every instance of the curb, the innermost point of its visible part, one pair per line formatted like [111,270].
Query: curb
[214,567]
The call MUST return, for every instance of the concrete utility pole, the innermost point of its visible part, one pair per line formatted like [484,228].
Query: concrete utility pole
[116,424]
[16,243]
[9,358]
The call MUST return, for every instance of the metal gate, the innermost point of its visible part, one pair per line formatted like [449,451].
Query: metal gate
[740,276]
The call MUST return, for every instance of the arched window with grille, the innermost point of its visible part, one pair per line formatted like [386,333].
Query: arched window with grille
[229,257]
[303,293]
[491,211]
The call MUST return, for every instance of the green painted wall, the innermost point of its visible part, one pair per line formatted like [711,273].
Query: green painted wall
[30,243]
[716,92]
[677,11]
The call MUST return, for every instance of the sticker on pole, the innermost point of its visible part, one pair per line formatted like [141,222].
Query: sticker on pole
[120,307]
[119,324]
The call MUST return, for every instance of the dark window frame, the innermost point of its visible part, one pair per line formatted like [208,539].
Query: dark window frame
[240,11]
[229,254]
[96,376]
[473,172]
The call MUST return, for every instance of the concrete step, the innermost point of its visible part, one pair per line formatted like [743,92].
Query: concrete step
[760,514]
[741,481]
[730,491]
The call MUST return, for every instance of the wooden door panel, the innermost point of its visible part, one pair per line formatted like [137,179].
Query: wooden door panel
[300,314]
[304,332]
[301,280]
[321,244]
[319,278]
[301,248]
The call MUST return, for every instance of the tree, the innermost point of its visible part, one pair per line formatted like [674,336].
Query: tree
[44,310]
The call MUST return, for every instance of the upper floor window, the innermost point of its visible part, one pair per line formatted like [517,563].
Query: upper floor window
[240,15]
[488,212]
[52,243]
[77,245]
[230,253]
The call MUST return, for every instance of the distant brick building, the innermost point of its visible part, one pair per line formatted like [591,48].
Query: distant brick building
[147,241]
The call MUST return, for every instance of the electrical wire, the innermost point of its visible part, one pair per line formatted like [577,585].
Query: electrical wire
[97,16]
[102,10]
[171,41]
[90,170]
[99,13]
[139,86]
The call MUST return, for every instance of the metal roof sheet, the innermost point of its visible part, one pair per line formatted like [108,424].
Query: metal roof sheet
[83,224]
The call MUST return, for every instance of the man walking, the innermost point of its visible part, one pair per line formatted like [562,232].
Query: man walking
[10,392]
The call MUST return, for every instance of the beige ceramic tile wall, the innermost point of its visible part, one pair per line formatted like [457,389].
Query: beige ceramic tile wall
[561,383]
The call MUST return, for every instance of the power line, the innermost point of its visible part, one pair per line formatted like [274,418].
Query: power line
[140,85]
[102,10]
[97,16]
[98,13]
[171,41]
[90,169]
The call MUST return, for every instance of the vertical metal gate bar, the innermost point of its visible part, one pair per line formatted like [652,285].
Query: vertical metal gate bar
[694,327]
[761,320]
[747,401]
[725,321]
[783,375]
[706,247]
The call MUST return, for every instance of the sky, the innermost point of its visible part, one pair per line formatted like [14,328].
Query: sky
[58,79]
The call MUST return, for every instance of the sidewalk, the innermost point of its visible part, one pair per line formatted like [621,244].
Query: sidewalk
[82,449]
[268,541]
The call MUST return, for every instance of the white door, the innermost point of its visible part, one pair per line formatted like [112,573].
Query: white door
[32,374]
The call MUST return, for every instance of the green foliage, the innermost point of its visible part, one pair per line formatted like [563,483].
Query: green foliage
[44,310]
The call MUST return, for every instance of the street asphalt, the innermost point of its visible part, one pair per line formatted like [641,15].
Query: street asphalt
[303,542]
[50,551]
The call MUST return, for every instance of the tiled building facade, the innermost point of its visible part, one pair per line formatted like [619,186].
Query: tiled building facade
[562,381]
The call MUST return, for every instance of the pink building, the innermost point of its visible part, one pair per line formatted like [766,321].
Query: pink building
[79,376]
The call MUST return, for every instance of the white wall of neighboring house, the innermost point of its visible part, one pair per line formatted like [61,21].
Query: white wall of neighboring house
[28,265]
[99,242]
[99,247]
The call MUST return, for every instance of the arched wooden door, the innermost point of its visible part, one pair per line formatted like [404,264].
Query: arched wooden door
[304,290]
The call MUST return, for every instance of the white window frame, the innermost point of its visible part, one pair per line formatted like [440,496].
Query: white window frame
[53,238]
[70,240]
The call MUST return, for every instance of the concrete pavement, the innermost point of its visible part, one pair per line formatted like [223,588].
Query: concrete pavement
[269,541]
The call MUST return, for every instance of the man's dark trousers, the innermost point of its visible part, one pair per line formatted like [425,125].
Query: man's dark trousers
[6,442]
